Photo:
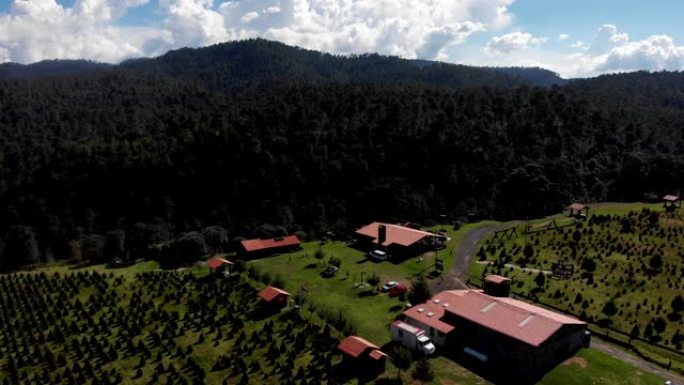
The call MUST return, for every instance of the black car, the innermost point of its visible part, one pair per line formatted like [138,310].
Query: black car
[330,271]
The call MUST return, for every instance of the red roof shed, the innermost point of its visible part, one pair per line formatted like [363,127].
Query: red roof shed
[217,262]
[356,347]
[274,295]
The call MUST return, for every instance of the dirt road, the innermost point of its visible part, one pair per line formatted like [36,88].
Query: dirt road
[455,279]
[635,361]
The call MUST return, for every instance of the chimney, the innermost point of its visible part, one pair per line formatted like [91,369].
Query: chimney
[382,234]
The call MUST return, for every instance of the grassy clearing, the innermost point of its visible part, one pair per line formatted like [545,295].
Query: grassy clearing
[618,282]
[590,366]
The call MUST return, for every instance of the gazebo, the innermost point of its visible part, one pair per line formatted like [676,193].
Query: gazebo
[578,210]
[671,203]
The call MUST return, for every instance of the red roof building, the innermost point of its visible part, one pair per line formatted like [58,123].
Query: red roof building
[217,262]
[671,198]
[499,329]
[273,245]
[274,295]
[396,239]
[358,348]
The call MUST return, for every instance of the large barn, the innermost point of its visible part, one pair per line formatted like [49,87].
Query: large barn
[256,248]
[499,332]
[398,241]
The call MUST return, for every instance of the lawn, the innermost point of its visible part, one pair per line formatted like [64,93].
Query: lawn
[370,310]
[590,366]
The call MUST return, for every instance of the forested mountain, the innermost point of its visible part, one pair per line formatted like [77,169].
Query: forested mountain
[49,68]
[129,157]
[235,64]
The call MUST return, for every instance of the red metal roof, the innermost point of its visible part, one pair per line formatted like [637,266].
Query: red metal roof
[217,262]
[671,198]
[496,279]
[577,206]
[432,312]
[396,234]
[263,244]
[377,355]
[355,346]
[517,319]
[270,293]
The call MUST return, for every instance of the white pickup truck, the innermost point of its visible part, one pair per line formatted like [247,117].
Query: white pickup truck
[412,337]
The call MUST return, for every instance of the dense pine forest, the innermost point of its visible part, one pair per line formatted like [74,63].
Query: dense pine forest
[258,138]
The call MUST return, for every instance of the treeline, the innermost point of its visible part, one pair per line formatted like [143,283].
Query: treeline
[149,157]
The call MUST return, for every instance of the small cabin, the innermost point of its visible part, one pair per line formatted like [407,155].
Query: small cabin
[219,265]
[672,203]
[273,297]
[362,355]
[497,286]
[578,210]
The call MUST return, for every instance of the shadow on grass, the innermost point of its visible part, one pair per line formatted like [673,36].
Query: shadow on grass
[367,293]
[395,308]
[492,372]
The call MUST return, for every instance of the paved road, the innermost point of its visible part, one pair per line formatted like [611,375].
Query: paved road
[455,279]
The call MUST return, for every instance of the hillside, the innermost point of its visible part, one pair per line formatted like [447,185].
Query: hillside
[49,68]
[155,148]
[627,262]
[235,64]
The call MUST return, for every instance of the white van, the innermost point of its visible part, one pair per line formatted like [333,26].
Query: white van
[378,255]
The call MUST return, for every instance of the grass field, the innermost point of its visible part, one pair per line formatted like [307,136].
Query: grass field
[373,313]
[185,312]
[629,268]
[590,366]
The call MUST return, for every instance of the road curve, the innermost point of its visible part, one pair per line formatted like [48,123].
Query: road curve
[455,280]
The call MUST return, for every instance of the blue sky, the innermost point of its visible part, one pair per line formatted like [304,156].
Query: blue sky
[574,38]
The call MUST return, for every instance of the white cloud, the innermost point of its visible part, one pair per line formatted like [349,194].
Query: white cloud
[657,52]
[514,41]
[408,28]
[606,38]
[44,29]
[612,51]
[579,44]
[563,37]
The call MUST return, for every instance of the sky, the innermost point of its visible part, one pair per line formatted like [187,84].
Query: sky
[575,38]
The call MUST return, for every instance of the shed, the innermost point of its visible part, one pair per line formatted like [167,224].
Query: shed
[273,296]
[217,264]
[672,202]
[361,353]
[578,210]
[497,286]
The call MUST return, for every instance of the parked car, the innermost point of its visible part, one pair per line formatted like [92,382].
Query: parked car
[412,337]
[400,288]
[330,271]
[378,255]
[386,287]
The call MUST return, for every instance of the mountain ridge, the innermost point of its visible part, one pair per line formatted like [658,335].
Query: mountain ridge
[233,64]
